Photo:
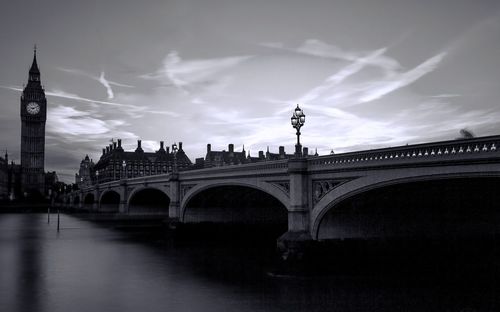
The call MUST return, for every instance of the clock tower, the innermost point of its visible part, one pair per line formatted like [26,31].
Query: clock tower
[33,117]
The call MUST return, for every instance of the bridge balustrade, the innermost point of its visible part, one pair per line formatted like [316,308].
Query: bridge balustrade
[414,152]
[268,166]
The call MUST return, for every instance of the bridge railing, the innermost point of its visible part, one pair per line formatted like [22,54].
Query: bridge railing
[438,150]
[277,165]
[273,166]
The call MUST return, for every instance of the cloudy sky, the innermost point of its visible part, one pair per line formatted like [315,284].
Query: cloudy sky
[370,73]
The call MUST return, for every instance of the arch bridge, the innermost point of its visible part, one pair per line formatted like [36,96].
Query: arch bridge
[309,191]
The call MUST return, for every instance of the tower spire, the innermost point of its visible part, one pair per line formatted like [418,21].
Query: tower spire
[34,66]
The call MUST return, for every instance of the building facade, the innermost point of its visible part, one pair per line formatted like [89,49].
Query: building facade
[231,157]
[115,163]
[222,158]
[86,174]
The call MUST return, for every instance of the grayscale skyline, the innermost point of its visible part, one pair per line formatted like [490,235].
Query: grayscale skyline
[367,73]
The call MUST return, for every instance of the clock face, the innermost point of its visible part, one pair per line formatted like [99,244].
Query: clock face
[33,108]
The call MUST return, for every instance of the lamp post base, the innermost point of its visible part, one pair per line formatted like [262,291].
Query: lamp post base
[298,151]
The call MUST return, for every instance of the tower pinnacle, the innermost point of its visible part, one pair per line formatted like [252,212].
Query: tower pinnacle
[34,66]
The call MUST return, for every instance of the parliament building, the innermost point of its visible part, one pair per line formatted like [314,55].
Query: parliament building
[115,163]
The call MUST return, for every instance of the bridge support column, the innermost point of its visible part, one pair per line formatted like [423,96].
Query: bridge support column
[294,242]
[95,204]
[123,206]
[81,204]
[174,208]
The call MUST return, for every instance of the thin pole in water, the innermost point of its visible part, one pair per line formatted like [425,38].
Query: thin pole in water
[58,220]
[48,215]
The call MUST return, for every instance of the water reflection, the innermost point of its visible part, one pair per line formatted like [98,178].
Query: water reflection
[97,267]
[29,279]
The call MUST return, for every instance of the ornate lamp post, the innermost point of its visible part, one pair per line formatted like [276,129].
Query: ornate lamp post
[174,150]
[97,176]
[298,119]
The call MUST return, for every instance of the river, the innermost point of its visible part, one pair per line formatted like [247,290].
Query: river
[90,266]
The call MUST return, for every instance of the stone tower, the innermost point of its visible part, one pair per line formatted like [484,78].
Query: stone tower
[33,117]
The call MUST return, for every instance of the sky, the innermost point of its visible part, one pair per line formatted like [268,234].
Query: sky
[368,74]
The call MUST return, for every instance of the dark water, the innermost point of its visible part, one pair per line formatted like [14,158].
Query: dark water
[99,267]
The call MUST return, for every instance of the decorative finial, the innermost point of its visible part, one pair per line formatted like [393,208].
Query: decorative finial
[34,49]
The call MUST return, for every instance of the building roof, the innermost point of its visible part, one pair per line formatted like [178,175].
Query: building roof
[115,153]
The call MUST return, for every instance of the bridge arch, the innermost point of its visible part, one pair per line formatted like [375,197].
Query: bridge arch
[148,200]
[88,201]
[109,201]
[275,196]
[351,189]
[76,201]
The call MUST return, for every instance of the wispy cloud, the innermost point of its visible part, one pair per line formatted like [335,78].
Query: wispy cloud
[365,88]
[70,123]
[318,48]
[378,89]
[445,96]
[340,76]
[106,83]
[13,88]
[131,109]
[71,96]
[85,74]
[189,74]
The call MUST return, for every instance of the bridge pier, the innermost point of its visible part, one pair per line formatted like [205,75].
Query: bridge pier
[123,205]
[295,241]
[97,197]
[174,208]
[81,204]
[95,204]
